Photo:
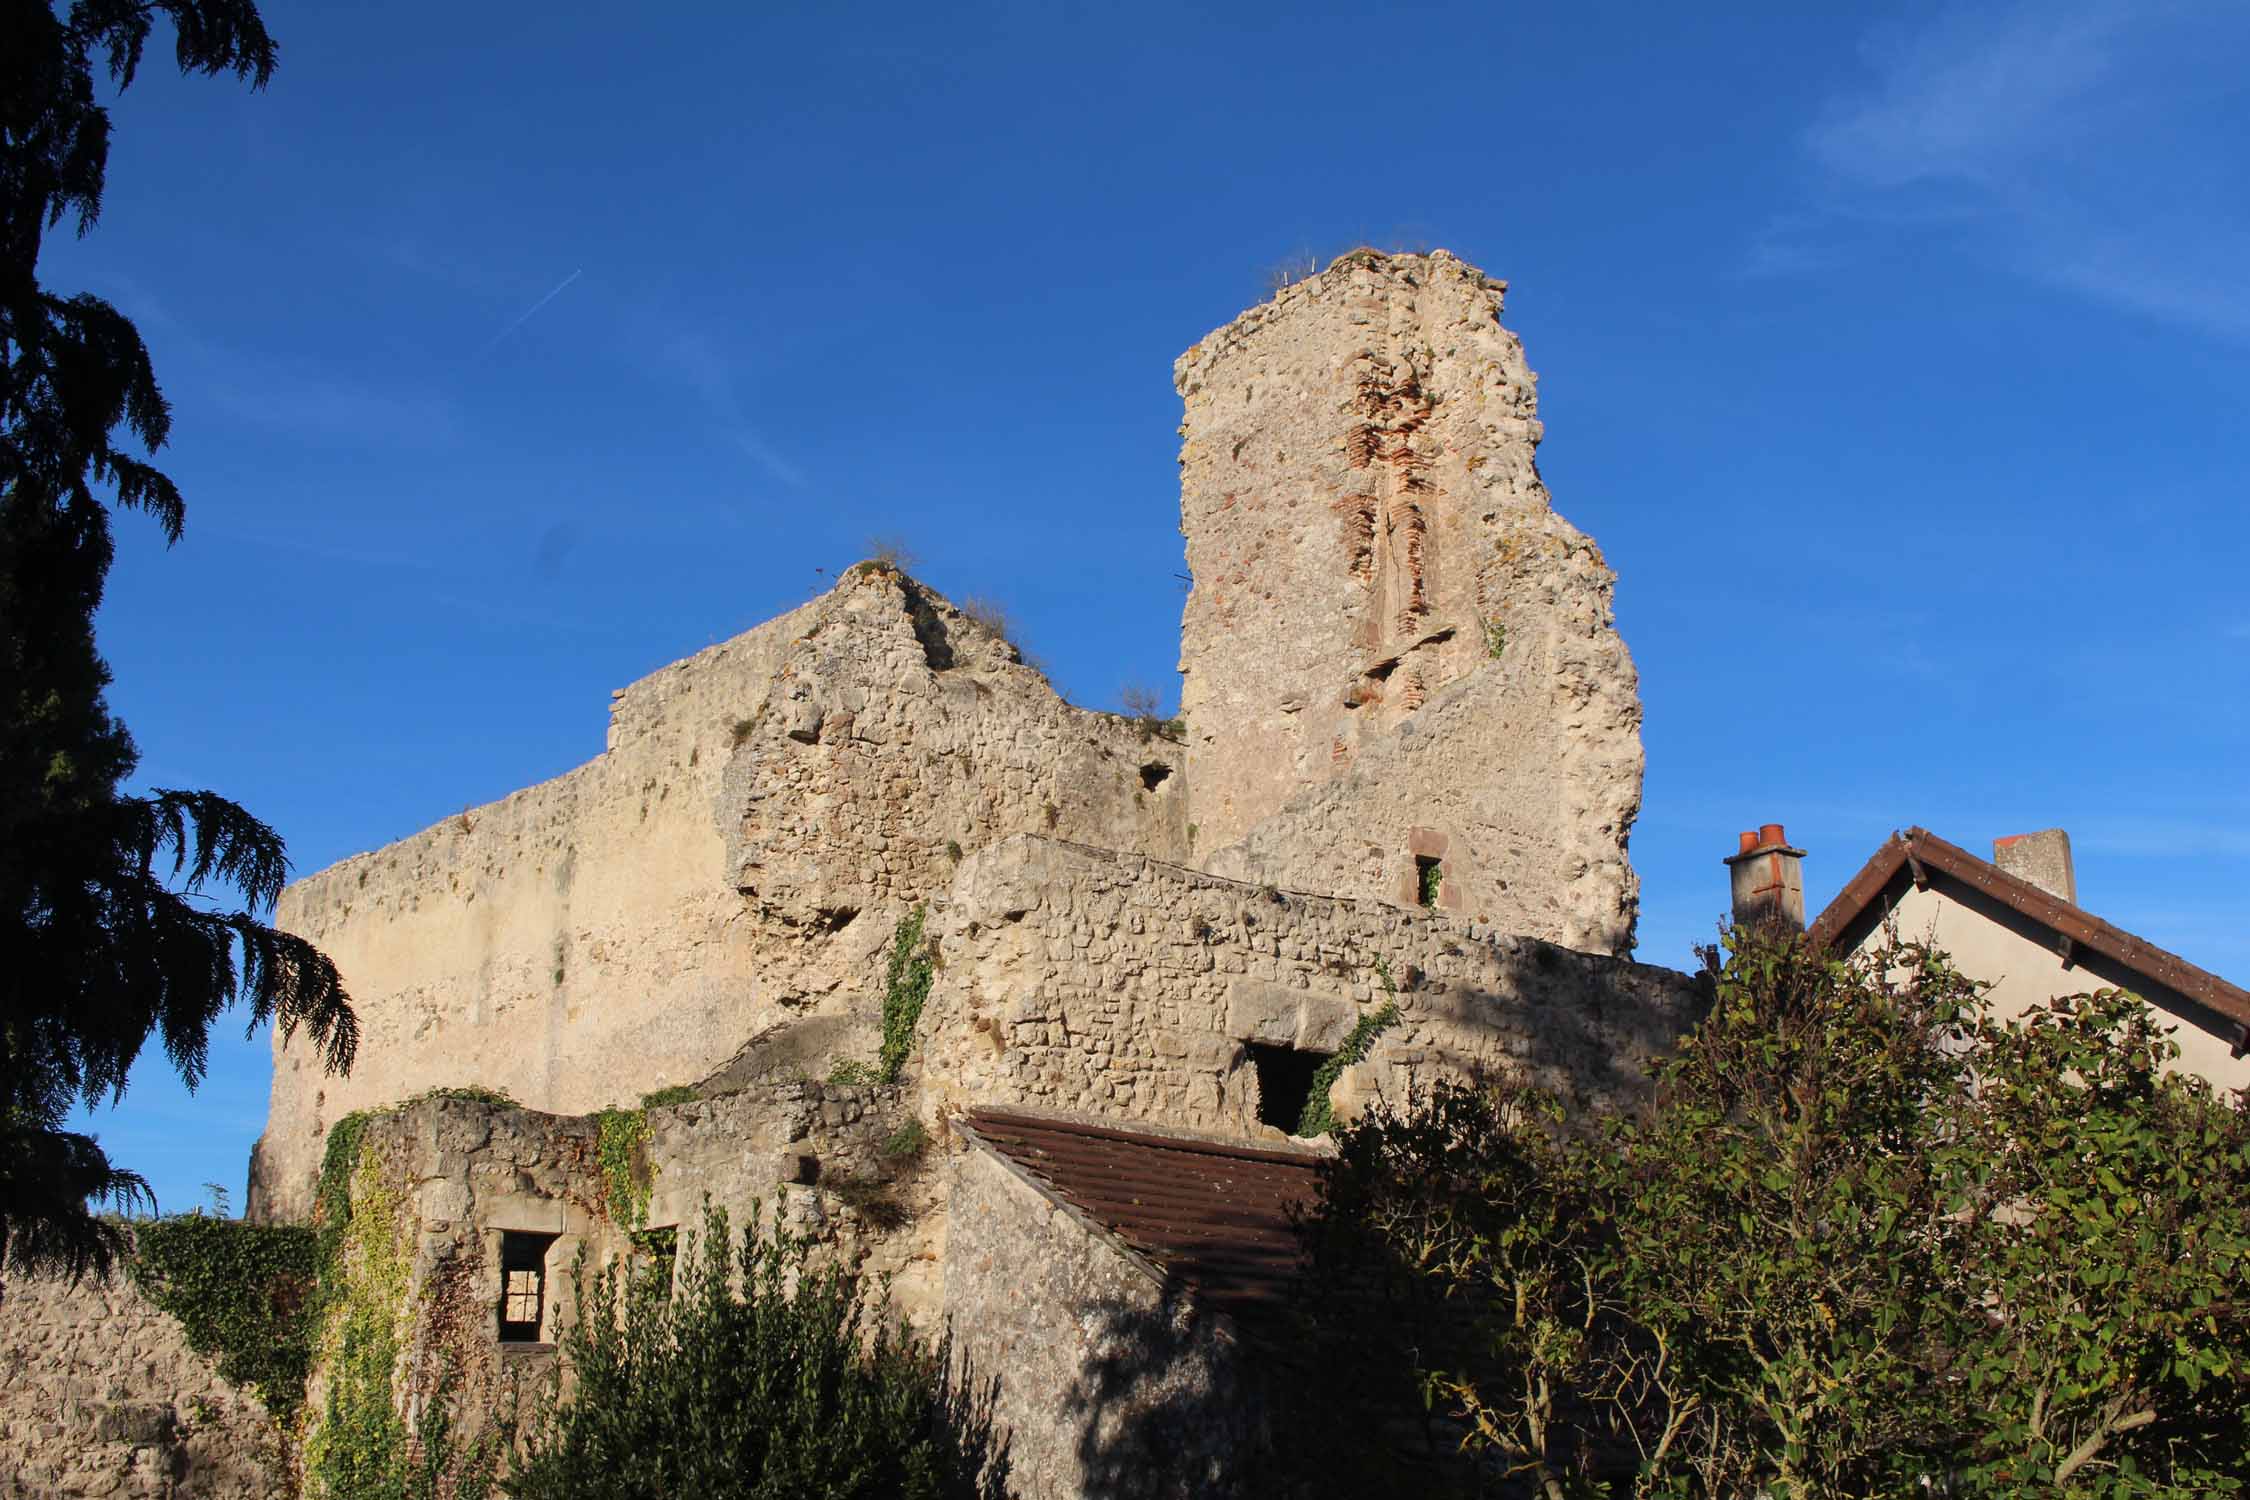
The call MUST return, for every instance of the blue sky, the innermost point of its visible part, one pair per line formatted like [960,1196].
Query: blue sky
[1900,369]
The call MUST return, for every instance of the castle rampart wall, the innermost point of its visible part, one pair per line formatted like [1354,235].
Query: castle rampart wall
[738,860]
[573,944]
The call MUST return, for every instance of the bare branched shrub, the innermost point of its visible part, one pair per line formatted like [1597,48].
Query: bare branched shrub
[990,615]
[1290,269]
[1140,704]
[890,551]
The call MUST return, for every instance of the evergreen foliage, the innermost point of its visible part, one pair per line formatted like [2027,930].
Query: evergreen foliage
[1869,1242]
[767,1374]
[109,935]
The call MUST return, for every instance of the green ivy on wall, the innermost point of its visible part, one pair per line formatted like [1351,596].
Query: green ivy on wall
[272,1302]
[621,1150]
[1319,1115]
[357,1449]
[243,1295]
[906,985]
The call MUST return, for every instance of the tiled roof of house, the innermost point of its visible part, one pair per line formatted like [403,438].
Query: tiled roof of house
[1909,857]
[1209,1216]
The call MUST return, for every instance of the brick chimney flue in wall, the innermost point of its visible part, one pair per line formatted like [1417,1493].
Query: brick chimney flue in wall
[1769,881]
[2042,858]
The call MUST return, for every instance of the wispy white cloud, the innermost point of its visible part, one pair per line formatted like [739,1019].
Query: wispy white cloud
[694,358]
[270,390]
[1974,96]
[273,394]
[2094,145]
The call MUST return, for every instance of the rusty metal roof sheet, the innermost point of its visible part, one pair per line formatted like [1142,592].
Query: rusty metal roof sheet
[1209,1216]
[1908,856]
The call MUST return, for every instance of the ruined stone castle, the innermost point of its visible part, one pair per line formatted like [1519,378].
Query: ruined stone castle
[1406,767]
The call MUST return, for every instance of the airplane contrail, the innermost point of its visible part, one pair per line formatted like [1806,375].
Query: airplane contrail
[494,341]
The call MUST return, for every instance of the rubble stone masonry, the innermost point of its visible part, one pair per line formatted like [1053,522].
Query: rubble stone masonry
[100,1396]
[1393,645]
[1079,980]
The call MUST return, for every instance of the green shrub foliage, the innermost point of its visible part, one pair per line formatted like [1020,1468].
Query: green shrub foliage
[767,1374]
[1869,1242]
[242,1294]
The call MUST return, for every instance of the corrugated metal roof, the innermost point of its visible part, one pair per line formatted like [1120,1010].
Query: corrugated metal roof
[1210,1216]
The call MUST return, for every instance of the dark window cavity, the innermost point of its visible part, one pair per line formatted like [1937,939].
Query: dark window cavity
[523,1285]
[1285,1080]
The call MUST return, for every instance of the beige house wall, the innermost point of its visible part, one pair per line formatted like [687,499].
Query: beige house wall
[2016,957]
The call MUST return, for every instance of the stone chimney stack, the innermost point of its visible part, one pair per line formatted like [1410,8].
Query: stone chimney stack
[2042,858]
[1769,881]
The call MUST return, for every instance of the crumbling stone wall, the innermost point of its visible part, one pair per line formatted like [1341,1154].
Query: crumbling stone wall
[452,1175]
[735,862]
[100,1396]
[1393,643]
[1101,1383]
[573,943]
[899,736]
[850,1166]
[1077,979]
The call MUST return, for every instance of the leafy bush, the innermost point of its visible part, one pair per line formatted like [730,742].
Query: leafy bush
[767,1374]
[1870,1241]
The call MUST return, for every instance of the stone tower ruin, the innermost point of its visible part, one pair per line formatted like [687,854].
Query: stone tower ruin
[1401,676]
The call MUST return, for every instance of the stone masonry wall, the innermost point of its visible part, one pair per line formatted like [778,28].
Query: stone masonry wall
[1100,1383]
[1369,537]
[573,943]
[1076,979]
[736,862]
[100,1396]
[456,1174]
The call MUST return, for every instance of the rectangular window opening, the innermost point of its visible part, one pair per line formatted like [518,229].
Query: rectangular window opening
[1285,1081]
[1429,879]
[657,1252]
[523,1285]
